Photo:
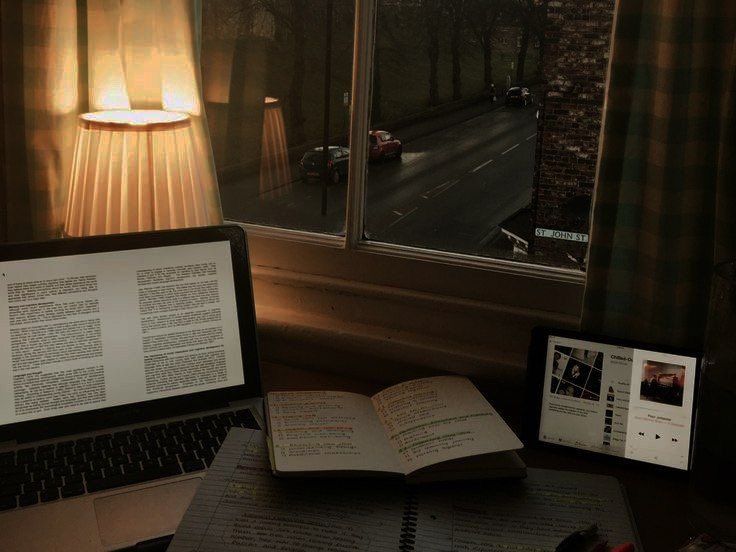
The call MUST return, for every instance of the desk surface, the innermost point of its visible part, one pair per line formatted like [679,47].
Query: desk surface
[659,501]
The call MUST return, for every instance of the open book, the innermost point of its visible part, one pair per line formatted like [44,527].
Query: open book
[431,429]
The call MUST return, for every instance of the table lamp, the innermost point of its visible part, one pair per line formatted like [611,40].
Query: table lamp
[134,170]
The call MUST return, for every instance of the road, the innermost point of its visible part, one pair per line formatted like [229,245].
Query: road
[449,190]
[453,187]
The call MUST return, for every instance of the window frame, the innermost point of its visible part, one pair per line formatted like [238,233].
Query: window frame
[351,257]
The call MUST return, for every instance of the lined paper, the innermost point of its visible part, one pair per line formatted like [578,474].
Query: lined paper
[241,506]
[533,515]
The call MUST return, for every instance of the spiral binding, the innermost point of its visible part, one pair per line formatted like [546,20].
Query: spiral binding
[407,539]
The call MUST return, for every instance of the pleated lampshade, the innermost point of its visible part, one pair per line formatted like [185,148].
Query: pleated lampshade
[134,170]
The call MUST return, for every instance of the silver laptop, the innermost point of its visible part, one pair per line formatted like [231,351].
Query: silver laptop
[124,361]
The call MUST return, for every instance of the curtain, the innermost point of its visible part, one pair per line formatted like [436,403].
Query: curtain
[665,199]
[61,58]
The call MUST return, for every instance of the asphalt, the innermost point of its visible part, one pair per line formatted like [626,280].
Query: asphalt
[453,187]
[458,178]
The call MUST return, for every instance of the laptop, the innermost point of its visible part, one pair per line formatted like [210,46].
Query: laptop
[124,361]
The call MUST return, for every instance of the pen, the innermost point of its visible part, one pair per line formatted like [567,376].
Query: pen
[576,540]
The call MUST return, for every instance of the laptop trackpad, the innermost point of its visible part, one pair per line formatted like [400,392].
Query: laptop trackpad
[134,516]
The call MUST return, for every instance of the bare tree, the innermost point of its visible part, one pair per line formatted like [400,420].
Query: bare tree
[291,15]
[532,16]
[395,21]
[382,26]
[431,11]
[483,16]
[456,10]
[237,18]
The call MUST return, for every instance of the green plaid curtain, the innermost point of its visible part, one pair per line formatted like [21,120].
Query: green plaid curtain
[665,203]
[38,43]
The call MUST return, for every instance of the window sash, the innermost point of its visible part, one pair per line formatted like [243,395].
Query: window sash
[353,257]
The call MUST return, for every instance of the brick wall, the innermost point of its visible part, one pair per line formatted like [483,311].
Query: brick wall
[576,51]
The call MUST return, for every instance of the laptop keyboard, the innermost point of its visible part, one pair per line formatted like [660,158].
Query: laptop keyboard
[71,468]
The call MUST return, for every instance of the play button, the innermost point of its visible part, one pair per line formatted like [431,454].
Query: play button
[657,436]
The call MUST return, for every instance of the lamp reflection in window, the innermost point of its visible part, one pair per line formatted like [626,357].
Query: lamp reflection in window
[135,170]
[275,177]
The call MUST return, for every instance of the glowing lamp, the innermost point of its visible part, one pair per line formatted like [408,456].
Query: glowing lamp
[134,170]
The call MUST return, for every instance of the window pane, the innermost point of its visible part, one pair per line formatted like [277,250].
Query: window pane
[264,76]
[495,110]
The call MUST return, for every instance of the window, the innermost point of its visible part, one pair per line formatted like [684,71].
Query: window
[478,139]
[465,103]
[271,99]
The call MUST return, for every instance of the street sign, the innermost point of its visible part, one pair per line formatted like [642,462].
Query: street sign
[561,235]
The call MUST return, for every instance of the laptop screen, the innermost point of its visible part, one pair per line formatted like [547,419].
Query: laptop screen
[96,330]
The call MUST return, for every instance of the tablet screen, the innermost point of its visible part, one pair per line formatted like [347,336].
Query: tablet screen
[617,400]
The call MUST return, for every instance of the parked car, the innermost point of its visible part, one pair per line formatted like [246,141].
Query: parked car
[383,146]
[312,163]
[518,95]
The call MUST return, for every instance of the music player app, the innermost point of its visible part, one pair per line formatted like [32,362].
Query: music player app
[660,408]
[618,400]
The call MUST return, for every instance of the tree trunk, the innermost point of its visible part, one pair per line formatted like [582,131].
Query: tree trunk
[376,98]
[433,52]
[540,32]
[487,64]
[540,56]
[457,92]
[296,87]
[521,60]
[236,110]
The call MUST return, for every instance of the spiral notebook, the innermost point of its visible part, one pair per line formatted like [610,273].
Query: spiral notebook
[240,506]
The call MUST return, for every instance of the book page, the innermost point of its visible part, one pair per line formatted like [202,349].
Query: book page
[527,515]
[327,431]
[239,506]
[436,419]
[82,332]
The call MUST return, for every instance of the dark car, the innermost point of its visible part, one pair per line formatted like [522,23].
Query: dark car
[383,146]
[518,95]
[312,163]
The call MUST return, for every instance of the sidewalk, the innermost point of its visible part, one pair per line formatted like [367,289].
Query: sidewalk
[427,123]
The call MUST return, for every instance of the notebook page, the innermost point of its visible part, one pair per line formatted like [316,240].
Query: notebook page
[432,420]
[534,514]
[241,506]
[328,431]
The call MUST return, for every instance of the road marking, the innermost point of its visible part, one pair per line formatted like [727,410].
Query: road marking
[449,185]
[479,167]
[429,193]
[530,137]
[402,217]
[437,190]
[511,148]
[445,183]
[442,188]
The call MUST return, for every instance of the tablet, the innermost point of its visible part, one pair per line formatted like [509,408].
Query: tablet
[614,397]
